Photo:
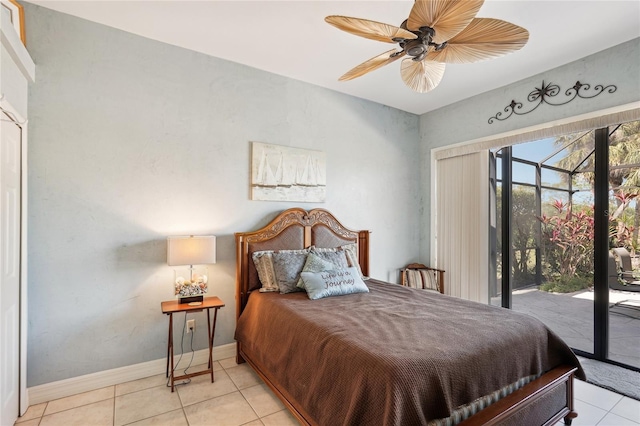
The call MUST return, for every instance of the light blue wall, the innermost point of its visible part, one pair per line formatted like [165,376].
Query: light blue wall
[131,140]
[467,120]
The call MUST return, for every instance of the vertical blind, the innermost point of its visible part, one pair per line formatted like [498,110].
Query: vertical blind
[462,230]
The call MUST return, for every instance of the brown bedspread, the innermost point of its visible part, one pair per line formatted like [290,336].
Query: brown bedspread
[393,356]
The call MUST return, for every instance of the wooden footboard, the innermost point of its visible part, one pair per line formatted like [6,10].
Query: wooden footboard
[544,401]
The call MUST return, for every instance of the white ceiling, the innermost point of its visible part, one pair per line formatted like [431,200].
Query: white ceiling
[290,38]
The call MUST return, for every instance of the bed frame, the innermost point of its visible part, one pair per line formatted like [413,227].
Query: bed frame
[544,401]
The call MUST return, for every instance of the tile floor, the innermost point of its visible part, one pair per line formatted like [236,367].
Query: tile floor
[598,406]
[238,397]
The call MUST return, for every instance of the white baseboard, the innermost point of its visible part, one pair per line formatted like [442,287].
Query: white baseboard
[62,388]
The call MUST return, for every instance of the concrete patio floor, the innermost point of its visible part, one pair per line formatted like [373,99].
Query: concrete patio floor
[571,317]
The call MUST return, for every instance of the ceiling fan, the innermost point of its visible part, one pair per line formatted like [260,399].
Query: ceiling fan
[436,32]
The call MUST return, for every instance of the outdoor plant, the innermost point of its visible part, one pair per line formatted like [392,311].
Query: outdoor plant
[569,238]
[565,284]
[523,221]
[620,232]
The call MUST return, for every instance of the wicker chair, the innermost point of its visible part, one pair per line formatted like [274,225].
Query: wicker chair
[417,275]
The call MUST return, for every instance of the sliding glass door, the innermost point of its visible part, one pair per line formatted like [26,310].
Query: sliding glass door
[624,189]
[559,206]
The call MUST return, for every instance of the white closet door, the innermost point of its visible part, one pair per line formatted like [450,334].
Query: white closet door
[10,193]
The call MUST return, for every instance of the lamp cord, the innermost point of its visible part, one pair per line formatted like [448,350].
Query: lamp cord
[173,368]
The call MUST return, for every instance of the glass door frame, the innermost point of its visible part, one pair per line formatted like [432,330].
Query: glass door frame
[601,246]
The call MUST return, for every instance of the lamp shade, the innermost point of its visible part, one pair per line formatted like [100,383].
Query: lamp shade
[191,250]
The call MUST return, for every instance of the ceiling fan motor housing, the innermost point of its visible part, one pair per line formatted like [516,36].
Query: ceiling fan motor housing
[417,48]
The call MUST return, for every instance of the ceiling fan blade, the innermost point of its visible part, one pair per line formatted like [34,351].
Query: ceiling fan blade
[446,17]
[369,29]
[421,76]
[372,64]
[484,38]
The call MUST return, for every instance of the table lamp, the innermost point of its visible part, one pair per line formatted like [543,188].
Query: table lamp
[191,250]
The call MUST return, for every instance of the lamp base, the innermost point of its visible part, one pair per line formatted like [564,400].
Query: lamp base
[192,299]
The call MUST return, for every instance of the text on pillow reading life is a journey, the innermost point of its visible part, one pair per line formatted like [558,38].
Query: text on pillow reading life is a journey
[337,279]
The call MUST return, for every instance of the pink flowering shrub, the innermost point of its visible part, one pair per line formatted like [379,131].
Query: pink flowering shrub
[568,240]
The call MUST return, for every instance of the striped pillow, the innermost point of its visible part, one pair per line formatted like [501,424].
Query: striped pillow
[422,278]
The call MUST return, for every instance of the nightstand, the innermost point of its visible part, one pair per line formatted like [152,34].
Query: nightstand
[173,306]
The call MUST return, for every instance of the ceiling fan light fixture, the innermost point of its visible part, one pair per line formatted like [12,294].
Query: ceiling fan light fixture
[416,49]
[420,56]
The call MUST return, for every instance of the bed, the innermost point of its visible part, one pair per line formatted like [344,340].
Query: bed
[393,355]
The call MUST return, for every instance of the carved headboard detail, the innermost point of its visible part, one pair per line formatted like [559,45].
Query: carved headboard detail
[292,229]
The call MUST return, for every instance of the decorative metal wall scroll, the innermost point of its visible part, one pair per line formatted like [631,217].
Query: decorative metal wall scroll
[542,94]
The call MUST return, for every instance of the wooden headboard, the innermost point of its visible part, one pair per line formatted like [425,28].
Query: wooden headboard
[292,229]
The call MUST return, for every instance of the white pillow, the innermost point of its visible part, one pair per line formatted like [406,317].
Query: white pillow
[333,283]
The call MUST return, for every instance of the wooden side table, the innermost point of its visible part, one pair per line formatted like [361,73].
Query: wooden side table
[173,306]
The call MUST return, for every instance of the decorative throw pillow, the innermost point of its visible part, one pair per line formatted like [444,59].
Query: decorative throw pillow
[314,263]
[429,279]
[264,265]
[423,279]
[350,253]
[337,257]
[351,250]
[333,283]
[263,260]
[287,266]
